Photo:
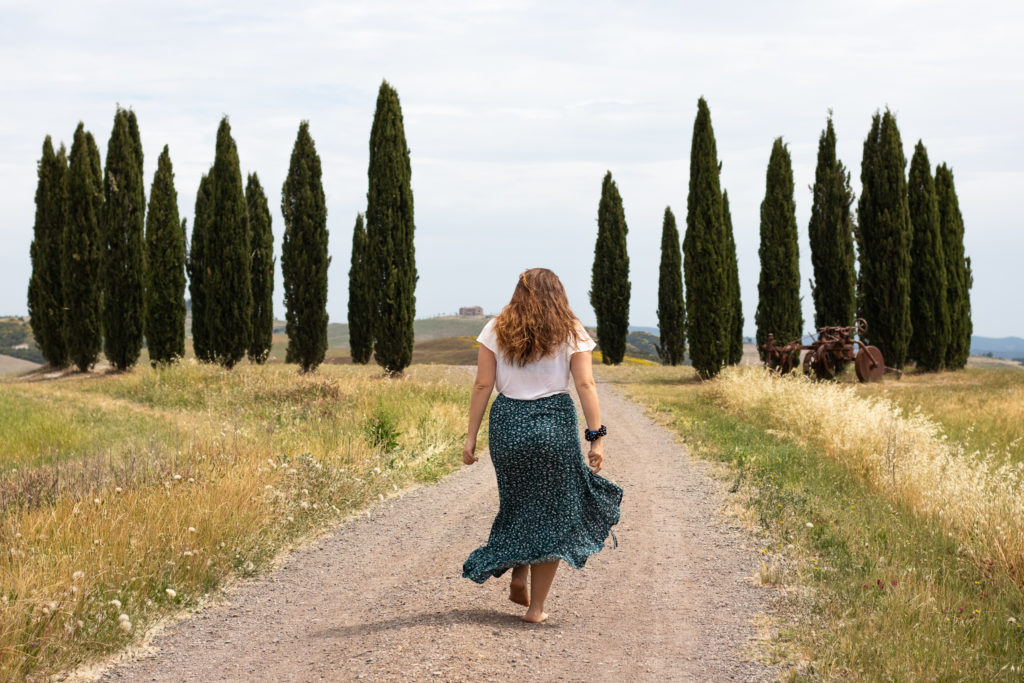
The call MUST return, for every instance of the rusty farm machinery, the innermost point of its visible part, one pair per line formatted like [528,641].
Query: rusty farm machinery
[829,353]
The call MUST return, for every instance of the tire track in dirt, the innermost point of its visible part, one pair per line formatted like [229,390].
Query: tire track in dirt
[382,597]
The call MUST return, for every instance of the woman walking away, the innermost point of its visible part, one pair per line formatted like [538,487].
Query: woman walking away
[552,506]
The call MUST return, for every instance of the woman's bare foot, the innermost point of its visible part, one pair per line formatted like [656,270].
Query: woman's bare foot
[517,592]
[532,618]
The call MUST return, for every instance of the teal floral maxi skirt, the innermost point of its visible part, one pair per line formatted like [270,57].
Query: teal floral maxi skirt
[552,507]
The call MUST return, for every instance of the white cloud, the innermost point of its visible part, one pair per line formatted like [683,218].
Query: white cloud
[514,110]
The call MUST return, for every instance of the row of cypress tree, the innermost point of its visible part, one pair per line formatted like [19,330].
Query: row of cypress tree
[910,249]
[708,310]
[100,269]
[912,286]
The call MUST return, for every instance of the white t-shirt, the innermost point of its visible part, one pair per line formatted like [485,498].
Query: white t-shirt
[544,377]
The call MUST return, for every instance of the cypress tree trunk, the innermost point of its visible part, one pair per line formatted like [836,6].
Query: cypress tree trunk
[671,305]
[883,240]
[959,278]
[705,266]
[227,287]
[778,306]
[82,252]
[262,271]
[390,227]
[123,256]
[929,310]
[165,268]
[198,266]
[735,329]
[45,288]
[609,283]
[831,232]
[304,258]
[360,297]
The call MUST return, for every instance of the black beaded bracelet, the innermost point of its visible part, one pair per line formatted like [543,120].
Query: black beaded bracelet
[594,435]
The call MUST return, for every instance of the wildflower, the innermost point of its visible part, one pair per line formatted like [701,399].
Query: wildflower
[123,617]
[171,593]
[187,553]
[117,489]
[177,477]
[97,501]
[304,505]
[125,626]
[191,529]
[810,525]
[78,576]
[115,603]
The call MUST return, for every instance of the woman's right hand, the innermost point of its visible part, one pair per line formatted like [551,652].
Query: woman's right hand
[469,452]
[596,458]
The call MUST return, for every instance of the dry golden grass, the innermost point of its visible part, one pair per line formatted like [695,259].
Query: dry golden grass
[981,407]
[905,455]
[230,467]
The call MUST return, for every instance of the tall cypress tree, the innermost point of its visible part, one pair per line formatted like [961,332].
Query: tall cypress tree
[165,268]
[228,289]
[959,278]
[735,329]
[704,261]
[883,240]
[82,251]
[123,254]
[360,297]
[609,281]
[671,304]
[262,270]
[778,305]
[390,227]
[831,232]
[198,266]
[45,288]
[929,309]
[304,258]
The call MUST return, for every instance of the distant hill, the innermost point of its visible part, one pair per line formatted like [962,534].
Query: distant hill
[1005,347]
[425,329]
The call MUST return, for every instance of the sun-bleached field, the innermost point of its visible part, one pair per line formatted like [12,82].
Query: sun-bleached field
[127,497]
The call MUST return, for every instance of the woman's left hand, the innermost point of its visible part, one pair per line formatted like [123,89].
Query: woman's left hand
[468,457]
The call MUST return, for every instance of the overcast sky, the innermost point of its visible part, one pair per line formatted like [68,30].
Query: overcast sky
[514,110]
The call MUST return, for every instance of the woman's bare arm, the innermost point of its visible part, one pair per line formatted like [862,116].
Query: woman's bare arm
[486,365]
[581,367]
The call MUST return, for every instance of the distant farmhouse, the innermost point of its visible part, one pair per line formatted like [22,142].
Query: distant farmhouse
[471,310]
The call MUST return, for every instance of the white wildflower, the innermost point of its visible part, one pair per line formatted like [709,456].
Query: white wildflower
[191,529]
[177,477]
[117,489]
[125,626]
[97,501]
[809,524]
[171,593]
[115,603]
[123,617]
[78,576]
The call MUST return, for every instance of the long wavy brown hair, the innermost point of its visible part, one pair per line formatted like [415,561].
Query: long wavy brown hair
[538,320]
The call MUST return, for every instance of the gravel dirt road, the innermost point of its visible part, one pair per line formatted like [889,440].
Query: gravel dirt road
[382,598]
